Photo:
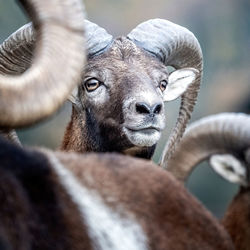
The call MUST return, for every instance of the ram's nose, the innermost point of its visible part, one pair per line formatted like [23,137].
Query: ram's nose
[147,109]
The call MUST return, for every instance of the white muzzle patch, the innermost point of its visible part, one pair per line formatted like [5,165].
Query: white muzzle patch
[142,138]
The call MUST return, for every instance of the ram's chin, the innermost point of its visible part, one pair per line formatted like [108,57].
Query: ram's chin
[144,137]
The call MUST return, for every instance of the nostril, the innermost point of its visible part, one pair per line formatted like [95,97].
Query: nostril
[142,108]
[157,109]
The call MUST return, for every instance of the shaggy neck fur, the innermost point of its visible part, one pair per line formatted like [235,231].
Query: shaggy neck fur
[88,136]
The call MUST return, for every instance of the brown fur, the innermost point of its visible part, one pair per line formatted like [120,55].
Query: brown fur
[37,212]
[237,220]
[171,217]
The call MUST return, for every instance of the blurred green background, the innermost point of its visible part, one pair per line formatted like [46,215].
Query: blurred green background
[223,29]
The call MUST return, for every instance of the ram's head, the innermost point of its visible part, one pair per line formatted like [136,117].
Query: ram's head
[120,103]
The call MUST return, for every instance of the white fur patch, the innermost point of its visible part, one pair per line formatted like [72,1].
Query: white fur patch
[229,168]
[150,97]
[106,228]
[140,139]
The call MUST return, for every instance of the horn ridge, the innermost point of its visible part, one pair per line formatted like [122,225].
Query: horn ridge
[215,134]
[98,39]
[37,92]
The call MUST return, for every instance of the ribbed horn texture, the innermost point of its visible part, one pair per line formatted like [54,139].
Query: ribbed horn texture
[55,68]
[98,39]
[226,133]
[10,135]
[175,46]
[17,51]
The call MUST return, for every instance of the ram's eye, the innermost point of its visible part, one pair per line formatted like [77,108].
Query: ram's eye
[92,84]
[163,85]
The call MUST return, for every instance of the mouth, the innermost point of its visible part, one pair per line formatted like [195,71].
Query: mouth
[142,137]
[148,130]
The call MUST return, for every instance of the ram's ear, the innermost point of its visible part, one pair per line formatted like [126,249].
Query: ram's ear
[178,82]
[73,98]
[230,168]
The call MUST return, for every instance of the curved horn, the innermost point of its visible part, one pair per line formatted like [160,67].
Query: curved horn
[175,46]
[56,66]
[98,39]
[17,51]
[216,134]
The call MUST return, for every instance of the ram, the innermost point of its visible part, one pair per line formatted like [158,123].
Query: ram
[98,201]
[67,201]
[119,104]
[224,140]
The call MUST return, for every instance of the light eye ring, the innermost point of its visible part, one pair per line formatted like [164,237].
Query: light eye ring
[163,85]
[92,84]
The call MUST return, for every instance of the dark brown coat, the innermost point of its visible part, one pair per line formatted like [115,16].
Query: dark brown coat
[37,211]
